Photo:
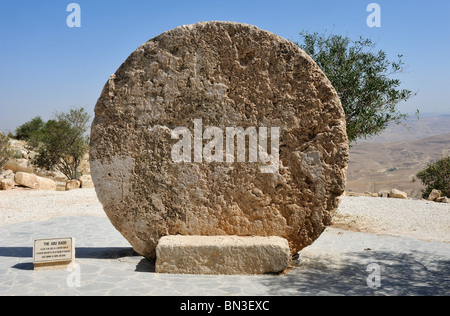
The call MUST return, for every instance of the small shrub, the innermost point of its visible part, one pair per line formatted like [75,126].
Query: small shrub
[436,176]
[26,130]
[62,142]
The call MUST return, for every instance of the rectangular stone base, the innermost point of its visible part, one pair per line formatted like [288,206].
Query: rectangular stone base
[222,255]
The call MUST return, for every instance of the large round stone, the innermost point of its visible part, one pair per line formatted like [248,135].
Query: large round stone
[161,142]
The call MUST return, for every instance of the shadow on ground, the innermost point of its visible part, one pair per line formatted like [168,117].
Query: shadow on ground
[143,265]
[80,252]
[420,274]
[414,273]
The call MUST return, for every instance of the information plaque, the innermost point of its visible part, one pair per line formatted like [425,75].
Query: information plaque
[53,253]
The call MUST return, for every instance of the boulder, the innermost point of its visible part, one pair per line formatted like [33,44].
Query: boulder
[434,195]
[221,255]
[27,179]
[72,184]
[398,194]
[443,199]
[46,184]
[6,173]
[219,128]
[18,165]
[34,182]
[6,184]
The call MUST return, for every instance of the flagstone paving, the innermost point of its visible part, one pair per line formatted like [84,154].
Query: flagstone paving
[338,263]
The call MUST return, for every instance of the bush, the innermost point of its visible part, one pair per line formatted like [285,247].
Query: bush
[26,130]
[62,143]
[436,176]
[5,151]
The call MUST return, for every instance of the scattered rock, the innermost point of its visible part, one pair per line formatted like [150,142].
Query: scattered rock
[384,193]
[46,184]
[6,184]
[397,194]
[34,182]
[434,195]
[72,184]
[6,173]
[23,163]
[443,199]
[18,165]
[27,179]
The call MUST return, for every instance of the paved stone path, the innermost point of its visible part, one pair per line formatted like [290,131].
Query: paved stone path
[336,264]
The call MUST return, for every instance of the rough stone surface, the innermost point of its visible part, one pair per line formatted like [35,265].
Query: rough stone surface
[398,194]
[19,165]
[46,184]
[221,255]
[27,180]
[34,182]
[435,194]
[228,75]
[72,185]
[443,199]
[6,184]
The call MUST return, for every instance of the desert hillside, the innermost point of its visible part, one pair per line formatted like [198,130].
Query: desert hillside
[390,160]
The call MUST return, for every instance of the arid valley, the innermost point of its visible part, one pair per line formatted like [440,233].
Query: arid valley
[391,160]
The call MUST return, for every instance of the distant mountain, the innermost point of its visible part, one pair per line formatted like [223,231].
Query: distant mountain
[414,129]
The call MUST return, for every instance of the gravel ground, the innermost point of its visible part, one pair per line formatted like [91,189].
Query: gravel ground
[419,219]
[21,205]
[339,262]
[423,220]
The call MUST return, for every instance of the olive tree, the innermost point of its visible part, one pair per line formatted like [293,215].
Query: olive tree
[62,142]
[26,130]
[363,79]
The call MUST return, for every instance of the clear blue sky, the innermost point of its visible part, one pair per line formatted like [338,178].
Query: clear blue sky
[45,66]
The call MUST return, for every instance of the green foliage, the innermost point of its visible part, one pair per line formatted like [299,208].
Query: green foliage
[62,142]
[5,151]
[362,79]
[26,130]
[436,176]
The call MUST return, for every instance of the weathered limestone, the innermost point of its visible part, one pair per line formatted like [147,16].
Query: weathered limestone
[19,165]
[435,194]
[398,194]
[34,182]
[442,199]
[205,78]
[27,179]
[72,184]
[6,184]
[222,255]
[46,184]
